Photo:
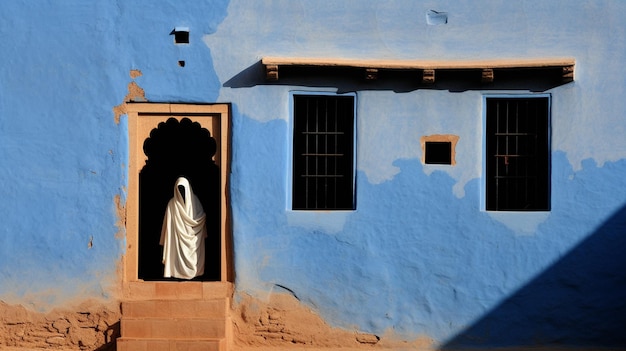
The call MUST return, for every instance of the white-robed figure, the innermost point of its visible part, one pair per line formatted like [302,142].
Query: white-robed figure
[183,234]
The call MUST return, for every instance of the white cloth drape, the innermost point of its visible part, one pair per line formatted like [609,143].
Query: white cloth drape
[183,234]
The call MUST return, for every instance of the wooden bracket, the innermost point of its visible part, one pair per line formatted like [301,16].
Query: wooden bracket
[568,74]
[428,76]
[487,75]
[371,73]
[271,72]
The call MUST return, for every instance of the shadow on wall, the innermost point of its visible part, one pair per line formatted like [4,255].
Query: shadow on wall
[112,333]
[578,301]
[400,81]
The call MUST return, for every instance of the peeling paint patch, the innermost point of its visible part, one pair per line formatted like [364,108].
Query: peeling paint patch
[89,325]
[281,321]
[522,223]
[135,93]
[134,73]
[120,210]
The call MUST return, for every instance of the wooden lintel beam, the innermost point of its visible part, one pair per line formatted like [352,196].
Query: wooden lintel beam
[487,75]
[372,68]
[271,72]
[428,76]
[371,73]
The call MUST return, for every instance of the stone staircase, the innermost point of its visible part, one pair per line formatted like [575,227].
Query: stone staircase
[175,316]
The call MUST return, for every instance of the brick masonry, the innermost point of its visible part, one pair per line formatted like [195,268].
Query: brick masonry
[90,326]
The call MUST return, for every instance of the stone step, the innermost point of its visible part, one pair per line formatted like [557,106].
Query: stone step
[175,316]
[131,344]
[169,290]
[173,328]
[216,308]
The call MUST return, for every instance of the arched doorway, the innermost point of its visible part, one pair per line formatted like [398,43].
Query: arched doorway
[177,149]
[167,141]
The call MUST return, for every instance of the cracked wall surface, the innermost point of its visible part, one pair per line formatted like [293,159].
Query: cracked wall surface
[280,321]
[419,260]
[89,326]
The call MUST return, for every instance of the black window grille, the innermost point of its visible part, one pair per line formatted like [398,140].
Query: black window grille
[518,154]
[323,152]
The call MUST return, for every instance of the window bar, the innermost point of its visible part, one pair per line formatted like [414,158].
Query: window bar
[306,158]
[506,192]
[325,136]
[534,160]
[336,151]
[531,197]
[497,161]
[330,169]
[317,129]
[531,152]
[324,176]
[323,154]
[531,114]
[526,161]
[517,151]
[509,181]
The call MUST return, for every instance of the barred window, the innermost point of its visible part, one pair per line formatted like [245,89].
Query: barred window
[323,152]
[518,154]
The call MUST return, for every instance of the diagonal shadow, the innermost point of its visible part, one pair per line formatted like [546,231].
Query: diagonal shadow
[579,301]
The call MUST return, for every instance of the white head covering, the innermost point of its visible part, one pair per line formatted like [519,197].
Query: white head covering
[183,234]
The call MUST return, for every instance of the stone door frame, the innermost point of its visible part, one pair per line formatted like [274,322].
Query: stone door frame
[142,118]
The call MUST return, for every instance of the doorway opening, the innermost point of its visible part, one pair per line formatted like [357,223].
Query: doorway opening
[167,141]
[177,149]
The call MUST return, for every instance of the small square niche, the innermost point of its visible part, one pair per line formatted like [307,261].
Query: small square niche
[439,149]
[181,35]
[438,153]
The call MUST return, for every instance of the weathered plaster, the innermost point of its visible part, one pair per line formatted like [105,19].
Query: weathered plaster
[134,73]
[121,217]
[391,34]
[418,252]
[521,223]
[418,256]
[402,121]
[88,326]
[280,321]
[135,93]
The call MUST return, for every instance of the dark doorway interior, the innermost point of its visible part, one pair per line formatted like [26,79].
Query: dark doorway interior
[176,149]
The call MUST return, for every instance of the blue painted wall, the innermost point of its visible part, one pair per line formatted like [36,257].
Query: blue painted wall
[418,257]
[63,157]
